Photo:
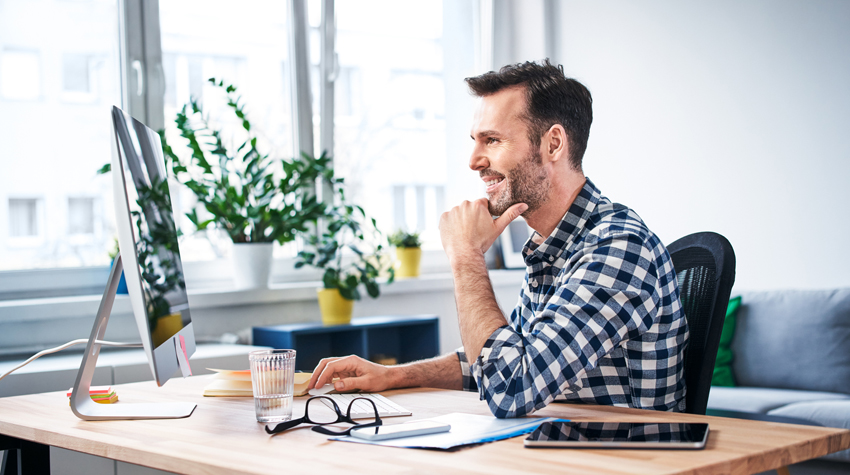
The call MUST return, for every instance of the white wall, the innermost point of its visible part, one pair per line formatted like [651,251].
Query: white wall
[725,116]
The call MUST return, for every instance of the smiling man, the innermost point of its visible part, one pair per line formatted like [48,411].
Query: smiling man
[598,320]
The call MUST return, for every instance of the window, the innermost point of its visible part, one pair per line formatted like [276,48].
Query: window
[80,73]
[65,56]
[20,74]
[75,73]
[245,46]
[390,108]
[395,95]
[80,216]
[23,218]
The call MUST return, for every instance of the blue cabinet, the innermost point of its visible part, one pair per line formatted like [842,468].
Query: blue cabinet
[405,338]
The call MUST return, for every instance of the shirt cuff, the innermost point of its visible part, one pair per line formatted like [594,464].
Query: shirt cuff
[468,380]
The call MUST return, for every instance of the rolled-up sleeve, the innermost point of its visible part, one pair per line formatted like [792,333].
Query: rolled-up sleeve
[606,296]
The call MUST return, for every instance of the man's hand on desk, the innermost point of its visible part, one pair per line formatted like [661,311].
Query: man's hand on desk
[353,372]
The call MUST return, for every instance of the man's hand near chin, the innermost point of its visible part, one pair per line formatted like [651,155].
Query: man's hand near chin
[469,230]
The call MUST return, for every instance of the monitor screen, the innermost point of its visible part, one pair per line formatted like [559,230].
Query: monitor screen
[165,305]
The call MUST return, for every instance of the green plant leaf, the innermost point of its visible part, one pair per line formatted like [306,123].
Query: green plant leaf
[349,293]
[330,279]
[372,289]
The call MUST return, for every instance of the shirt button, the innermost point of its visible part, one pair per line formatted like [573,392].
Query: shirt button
[551,258]
[534,283]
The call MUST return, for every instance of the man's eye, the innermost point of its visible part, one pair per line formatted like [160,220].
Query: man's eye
[491,140]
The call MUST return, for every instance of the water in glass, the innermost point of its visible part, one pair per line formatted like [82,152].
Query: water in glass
[273,380]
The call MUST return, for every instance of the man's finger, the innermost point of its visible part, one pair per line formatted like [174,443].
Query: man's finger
[318,372]
[511,214]
[352,384]
[332,368]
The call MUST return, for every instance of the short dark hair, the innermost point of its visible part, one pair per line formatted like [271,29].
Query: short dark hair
[552,98]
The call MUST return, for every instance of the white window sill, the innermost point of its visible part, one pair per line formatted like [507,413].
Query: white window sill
[28,310]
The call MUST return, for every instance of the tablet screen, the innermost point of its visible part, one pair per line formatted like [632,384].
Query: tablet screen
[617,434]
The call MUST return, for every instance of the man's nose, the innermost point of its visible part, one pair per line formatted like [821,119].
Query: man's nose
[478,160]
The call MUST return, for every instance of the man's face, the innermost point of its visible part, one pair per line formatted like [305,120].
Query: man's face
[509,165]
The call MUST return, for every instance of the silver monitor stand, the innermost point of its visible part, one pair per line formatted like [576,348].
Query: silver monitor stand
[81,402]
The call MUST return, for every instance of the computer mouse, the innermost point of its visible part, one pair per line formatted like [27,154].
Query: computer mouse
[322,390]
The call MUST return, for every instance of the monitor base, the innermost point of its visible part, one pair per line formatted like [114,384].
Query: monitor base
[93,411]
[81,402]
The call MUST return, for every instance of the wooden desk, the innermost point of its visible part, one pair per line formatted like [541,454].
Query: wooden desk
[222,436]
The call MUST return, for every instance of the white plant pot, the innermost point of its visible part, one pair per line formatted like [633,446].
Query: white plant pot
[252,264]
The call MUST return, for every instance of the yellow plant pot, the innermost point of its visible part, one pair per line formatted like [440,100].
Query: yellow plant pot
[335,309]
[408,261]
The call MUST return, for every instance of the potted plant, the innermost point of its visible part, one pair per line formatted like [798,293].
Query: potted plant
[345,226]
[252,197]
[408,251]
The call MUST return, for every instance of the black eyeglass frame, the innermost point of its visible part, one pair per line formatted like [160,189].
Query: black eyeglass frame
[339,418]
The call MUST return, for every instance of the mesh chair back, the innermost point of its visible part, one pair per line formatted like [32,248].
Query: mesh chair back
[705,268]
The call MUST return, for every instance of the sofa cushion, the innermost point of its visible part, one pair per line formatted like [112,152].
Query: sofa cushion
[834,413]
[762,400]
[723,364]
[797,339]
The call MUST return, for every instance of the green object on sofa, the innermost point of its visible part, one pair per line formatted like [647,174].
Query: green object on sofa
[723,365]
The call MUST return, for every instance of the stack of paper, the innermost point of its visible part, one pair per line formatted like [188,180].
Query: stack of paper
[100,394]
[237,383]
[466,429]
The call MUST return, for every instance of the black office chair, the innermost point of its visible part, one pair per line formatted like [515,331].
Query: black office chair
[705,267]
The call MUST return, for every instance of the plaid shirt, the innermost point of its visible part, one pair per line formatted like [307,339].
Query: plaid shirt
[598,320]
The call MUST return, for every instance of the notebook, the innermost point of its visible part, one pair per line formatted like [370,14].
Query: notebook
[238,383]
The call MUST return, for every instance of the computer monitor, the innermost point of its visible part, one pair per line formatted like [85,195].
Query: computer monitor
[145,223]
[150,258]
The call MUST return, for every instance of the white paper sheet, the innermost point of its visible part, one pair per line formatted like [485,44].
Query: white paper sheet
[466,429]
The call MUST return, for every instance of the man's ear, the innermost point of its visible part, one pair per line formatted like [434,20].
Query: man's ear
[555,143]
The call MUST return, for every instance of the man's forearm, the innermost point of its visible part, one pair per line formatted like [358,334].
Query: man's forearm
[440,372]
[478,312]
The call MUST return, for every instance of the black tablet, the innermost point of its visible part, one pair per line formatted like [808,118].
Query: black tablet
[619,435]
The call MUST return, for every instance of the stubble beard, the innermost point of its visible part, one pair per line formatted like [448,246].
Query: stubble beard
[526,183]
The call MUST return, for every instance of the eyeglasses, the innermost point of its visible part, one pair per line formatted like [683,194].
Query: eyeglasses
[321,417]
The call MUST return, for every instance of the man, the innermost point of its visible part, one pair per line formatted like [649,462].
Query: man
[599,318]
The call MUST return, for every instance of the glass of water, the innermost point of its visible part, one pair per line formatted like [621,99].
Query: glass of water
[273,380]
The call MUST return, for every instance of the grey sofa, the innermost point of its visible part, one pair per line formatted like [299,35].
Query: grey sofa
[792,358]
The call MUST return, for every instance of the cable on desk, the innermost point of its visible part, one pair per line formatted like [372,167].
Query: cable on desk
[68,345]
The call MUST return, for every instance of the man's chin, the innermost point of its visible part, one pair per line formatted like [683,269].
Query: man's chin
[497,209]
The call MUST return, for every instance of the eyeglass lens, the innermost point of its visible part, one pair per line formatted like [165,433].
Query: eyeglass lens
[322,410]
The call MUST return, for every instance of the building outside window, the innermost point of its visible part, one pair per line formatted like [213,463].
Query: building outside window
[390,108]
[59,75]
[391,116]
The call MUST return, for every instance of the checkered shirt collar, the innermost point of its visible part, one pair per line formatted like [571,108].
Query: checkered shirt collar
[565,233]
